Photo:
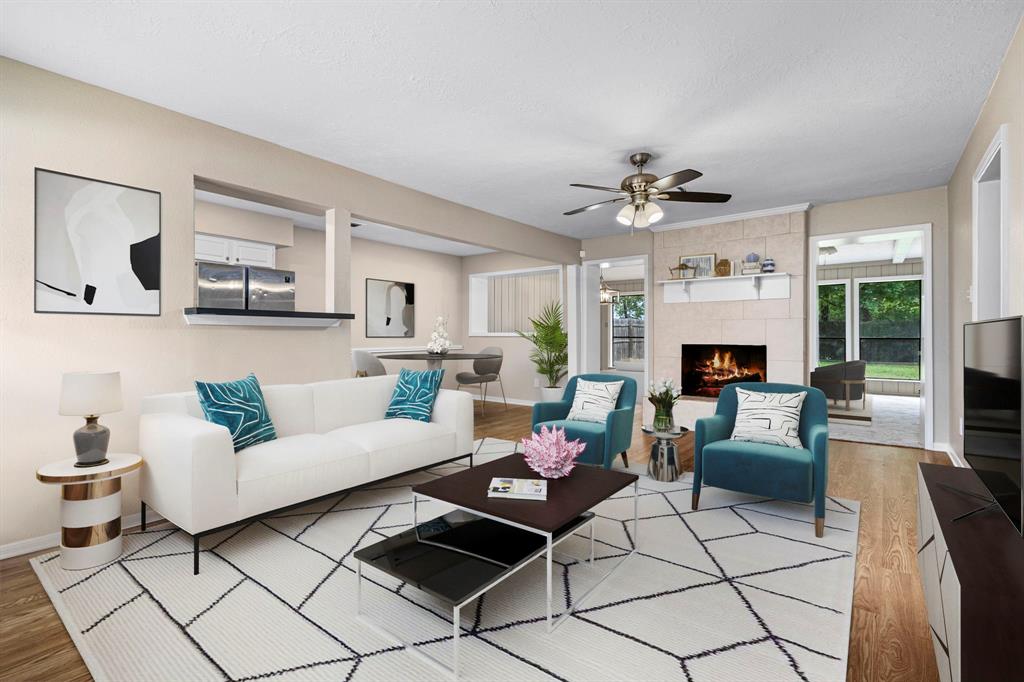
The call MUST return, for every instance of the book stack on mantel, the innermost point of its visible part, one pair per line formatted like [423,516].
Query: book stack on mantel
[518,489]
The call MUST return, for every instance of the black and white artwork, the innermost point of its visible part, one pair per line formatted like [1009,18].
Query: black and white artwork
[390,309]
[97,246]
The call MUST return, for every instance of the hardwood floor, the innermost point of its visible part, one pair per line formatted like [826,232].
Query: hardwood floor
[889,638]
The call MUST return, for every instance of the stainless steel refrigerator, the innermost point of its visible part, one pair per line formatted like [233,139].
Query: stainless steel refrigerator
[244,288]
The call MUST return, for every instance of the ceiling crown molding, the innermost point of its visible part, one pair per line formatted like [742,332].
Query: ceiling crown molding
[794,208]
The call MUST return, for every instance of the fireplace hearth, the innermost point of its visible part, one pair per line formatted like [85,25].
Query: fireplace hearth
[706,368]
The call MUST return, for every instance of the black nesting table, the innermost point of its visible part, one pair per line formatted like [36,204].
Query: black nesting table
[460,555]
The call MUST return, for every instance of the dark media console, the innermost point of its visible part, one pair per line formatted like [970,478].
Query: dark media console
[973,576]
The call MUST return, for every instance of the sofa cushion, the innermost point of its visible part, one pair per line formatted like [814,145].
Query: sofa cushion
[239,406]
[343,402]
[590,433]
[759,469]
[296,468]
[397,445]
[291,408]
[415,393]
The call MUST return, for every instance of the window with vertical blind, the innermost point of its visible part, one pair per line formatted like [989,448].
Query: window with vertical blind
[502,302]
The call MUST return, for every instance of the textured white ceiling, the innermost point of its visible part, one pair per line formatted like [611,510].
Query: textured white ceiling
[500,105]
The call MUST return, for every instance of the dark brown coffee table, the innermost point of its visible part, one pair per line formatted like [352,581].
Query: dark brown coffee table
[460,555]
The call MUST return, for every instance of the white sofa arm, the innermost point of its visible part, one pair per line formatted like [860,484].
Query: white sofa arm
[188,474]
[454,409]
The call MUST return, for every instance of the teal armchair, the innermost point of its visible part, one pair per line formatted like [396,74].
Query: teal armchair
[796,474]
[603,441]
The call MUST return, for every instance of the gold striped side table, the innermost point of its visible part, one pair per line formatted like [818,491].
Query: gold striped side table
[90,508]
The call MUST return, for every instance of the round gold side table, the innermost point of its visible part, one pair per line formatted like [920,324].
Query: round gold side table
[90,508]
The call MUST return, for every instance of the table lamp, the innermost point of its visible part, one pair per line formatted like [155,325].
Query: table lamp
[90,394]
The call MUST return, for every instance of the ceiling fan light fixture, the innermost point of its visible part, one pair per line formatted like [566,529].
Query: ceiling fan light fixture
[641,218]
[625,216]
[653,212]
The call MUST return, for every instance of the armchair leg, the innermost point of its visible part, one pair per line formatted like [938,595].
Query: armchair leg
[819,526]
[195,555]
[625,462]
[696,500]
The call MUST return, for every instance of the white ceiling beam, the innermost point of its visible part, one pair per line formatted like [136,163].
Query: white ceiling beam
[901,247]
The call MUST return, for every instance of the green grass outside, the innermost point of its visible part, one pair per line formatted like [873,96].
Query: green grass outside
[887,370]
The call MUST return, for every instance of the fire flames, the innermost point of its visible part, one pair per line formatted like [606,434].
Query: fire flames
[708,375]
[721,367]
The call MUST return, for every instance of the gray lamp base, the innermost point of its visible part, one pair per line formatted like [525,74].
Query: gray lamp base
[91,443]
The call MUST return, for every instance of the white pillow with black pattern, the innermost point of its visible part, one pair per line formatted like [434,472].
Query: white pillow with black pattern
[772,418]
[594,400]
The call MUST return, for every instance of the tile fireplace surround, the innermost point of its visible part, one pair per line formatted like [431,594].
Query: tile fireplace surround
[777,324]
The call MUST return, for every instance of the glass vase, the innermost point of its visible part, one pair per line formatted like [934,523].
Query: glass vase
[663,420]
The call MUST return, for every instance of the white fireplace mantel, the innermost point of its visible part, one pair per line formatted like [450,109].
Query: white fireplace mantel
[765,285]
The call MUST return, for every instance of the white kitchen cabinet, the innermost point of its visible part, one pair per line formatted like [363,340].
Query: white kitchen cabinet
[216,249]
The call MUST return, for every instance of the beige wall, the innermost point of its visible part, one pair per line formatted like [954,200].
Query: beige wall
[307,258]
[1005,105]
[238,223]
[517,372]
[54,122]
[438,280]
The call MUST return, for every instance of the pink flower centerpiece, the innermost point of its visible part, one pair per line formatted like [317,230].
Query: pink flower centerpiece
[550,454]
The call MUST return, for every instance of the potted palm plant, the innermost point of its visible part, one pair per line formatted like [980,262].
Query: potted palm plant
[550,354]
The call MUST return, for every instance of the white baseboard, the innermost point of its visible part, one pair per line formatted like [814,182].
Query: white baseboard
[52,540]
[511,401]
[948,449]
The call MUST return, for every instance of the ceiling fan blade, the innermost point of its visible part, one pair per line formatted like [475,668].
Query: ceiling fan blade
[700,197]
[675,179]
[605,189]
[593,206]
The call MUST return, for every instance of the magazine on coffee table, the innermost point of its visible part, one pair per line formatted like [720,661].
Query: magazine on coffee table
[518,488]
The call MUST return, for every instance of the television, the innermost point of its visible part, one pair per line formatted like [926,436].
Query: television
[992,410]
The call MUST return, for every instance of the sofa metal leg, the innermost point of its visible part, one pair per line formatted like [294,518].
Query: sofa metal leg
[195,555]
[625,462]
[142,514]
[819,526]
[696,500]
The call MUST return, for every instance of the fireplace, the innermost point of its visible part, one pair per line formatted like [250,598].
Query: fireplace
[706,368]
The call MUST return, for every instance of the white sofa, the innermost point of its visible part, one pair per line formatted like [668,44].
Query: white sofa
[331,436]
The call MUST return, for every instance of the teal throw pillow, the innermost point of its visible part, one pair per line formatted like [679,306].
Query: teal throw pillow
[239,406]
[414,395]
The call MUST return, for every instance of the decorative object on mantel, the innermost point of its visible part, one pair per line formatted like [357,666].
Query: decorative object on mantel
[90,394]
[550,453]
[702,265]
[97,246]
[663,394]
[681,271]
[639,190]
[751,264]
[390,309]
[550,354]
[768,265]
[439,343]
[723,268]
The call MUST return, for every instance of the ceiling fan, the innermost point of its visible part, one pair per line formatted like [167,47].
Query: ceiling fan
[640,189]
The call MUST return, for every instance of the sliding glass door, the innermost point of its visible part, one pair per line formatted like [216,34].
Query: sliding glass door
[888,329]
[833,322]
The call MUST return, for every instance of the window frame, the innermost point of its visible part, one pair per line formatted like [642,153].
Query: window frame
[478,299]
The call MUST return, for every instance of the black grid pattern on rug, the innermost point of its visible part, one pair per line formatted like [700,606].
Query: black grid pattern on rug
[477,625]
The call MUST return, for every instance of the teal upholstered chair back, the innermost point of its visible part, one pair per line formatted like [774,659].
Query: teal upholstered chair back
[603,441]
[627,396]
[813,412]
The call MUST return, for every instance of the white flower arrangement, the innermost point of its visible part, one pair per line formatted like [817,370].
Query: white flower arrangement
[439,342]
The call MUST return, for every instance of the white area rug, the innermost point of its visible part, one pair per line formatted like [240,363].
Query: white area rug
[739,590]
[895,420]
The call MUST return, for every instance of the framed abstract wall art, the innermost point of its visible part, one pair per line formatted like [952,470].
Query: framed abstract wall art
[97,246]
[390,309]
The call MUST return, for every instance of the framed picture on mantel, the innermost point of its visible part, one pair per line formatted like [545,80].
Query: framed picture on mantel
[390,309]
[691,267]
[97,246]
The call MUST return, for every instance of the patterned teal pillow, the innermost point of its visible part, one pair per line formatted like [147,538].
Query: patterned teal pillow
[414,395]
[239,406]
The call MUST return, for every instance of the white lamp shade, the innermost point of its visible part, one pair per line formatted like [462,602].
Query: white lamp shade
[653,212]
[90,393]
[625,216]
[641,218]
